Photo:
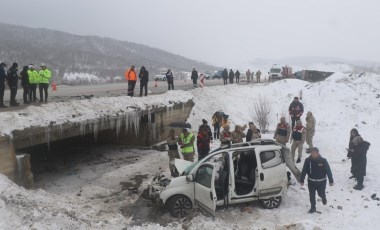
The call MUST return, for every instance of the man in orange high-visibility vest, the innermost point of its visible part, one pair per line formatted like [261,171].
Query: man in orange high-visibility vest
[131,77]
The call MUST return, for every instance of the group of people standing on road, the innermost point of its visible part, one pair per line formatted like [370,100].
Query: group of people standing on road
[228,77]
[30,77]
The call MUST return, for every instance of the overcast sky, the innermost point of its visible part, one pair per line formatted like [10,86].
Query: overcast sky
[220,32]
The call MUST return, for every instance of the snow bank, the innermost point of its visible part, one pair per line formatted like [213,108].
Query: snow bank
[82,110]
[82,78]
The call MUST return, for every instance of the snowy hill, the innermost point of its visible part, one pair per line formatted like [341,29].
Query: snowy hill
[64,52]
[339,103]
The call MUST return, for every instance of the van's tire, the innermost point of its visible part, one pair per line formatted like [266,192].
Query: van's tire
[179,206]
[271,203]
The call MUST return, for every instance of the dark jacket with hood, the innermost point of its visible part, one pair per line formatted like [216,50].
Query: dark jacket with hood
[12,76]
[169,76]
[225,74]
[143,75]
[231,74]
[24,77]
[194,75]
[237,74]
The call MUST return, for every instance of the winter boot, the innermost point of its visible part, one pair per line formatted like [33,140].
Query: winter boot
[298,160]
[358,187]
[324,201]
[312,210]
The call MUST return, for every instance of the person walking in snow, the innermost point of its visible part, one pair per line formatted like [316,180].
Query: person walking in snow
[295,110]
[248,74]
[258,76]
[204,139]
[186,142]
[298,138]
[194,77]
[25,84]
[173,151]
[144,78]
[231,76]
[225,136]
[170,79]
[237,76]
[131,77]
[282,133]
[310,129]
[317,168]
[358,152]
[43,82]
[12,80]
[225,76]
[33,81]
[238,134]
[252,133]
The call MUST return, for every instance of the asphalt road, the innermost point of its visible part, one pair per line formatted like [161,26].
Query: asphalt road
[65,93]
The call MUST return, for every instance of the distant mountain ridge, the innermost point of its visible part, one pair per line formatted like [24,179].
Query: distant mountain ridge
[104,57]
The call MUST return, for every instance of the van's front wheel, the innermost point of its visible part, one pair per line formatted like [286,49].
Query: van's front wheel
[271,203]
[179,206]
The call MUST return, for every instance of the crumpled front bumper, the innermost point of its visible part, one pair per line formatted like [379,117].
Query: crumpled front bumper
[155,189]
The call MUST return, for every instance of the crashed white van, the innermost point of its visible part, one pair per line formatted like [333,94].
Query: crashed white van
[235,174]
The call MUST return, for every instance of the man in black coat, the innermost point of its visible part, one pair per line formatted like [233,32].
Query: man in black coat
[12,80]
[295,110]
[316,168]
[144,78]
[25,84]
[225,76]
[237,75]
[231,76]
[3,75]
[194,77]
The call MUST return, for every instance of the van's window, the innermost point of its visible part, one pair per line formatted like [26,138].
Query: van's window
[204,175]
[270,159]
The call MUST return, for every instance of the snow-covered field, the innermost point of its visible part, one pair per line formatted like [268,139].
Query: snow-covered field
[339,104]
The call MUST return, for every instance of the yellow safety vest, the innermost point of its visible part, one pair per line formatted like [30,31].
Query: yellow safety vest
[186,140]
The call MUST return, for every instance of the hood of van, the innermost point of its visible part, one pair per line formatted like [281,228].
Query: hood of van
[181,165]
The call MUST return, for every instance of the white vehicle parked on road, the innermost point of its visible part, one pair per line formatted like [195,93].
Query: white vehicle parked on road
[160,77]
[240,173]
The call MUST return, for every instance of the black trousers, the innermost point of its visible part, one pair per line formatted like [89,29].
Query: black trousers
[195,83]
[33,92]
[225,82]
[25,94]
[13,90]
[294,119]
[170,85]
[202,153]
[131,88]
[358,169]
[237,79]
[143,85]
[319,187]
[2,89]
[231,80]
[43,87]
[216,131]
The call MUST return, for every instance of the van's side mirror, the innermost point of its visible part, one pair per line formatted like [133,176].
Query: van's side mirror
[190,178]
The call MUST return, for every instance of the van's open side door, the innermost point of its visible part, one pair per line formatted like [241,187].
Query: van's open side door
[204,188]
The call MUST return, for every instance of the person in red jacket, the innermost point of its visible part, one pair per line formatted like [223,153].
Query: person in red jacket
[131,77]
[295,110]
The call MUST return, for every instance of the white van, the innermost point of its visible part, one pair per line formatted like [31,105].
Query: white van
[239,173]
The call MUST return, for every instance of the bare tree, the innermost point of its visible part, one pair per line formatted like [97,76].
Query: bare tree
[261,113]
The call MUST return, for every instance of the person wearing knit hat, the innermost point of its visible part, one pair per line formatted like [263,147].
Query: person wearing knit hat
[238,134]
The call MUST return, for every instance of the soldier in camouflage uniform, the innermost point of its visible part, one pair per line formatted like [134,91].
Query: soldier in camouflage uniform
[298,137]
[173,150]
[238,134]
[310,129]
[282,133]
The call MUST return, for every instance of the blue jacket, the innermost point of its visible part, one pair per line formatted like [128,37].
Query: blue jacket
[316,169]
